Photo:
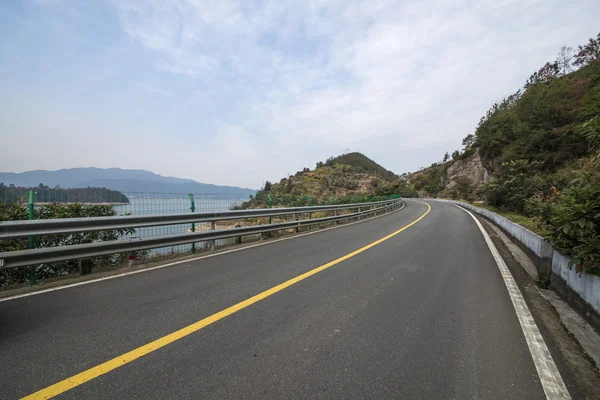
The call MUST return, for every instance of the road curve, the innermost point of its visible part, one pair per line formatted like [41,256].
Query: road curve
[423,314]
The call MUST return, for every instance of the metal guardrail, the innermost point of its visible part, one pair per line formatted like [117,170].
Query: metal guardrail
[18,229]
[47,227]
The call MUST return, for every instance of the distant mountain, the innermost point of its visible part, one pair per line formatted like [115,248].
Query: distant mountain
[124,180]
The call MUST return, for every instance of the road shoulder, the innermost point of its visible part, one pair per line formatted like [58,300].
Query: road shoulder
[577,368]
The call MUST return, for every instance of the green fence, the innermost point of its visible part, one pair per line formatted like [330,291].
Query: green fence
[176,203]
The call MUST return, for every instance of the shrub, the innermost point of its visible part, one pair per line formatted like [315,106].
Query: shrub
[516,183]
[399,187]
[464,188]
[18,211]
[573,219]
[350,185]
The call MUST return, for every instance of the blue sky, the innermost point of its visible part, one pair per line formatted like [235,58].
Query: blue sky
[238,92]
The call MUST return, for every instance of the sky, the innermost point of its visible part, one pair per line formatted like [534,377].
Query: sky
[239,92]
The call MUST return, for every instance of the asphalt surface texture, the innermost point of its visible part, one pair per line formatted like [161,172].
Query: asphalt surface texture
[422,315]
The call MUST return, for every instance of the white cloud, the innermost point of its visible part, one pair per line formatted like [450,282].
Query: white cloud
[263,88]
[154,90]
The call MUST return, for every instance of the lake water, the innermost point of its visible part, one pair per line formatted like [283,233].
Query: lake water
[140,204]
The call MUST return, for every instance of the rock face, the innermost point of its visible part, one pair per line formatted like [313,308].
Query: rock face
[470,168]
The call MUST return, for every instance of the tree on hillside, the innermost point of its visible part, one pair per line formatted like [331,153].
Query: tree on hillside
[502,105]
[517,181]
[533,80]
[468,141]
[446,157]
[587,53]
[565,60]
[455,154]
[548,72]
[545,74]
[267,186]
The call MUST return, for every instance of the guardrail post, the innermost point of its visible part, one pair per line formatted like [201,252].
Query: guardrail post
[334,201]
[130,258]
[192,209]
[295,219]
[86,264]
[270,218]
[238,239]
[32,268]
[212,242]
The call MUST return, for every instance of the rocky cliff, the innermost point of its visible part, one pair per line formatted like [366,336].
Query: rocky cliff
[471,168]
[468,168]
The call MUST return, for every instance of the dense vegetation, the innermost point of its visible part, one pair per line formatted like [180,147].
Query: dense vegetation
[542,143]
[349,178]
[44,194]
[430,181]
[573,219]
[547,142]
[18,211]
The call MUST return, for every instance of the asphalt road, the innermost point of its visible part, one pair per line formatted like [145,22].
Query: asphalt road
[424,314]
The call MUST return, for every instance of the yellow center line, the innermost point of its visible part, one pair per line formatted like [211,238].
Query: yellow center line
[94,372]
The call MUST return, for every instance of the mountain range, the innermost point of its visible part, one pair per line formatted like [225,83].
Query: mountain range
[124,180]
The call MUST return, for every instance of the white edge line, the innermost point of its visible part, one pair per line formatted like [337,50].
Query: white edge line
[42,291]
[550,378]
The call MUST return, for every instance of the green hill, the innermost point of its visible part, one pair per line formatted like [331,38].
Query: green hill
[339,179]
[358,162]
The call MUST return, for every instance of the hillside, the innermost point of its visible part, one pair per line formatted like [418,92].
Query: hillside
[337,179]
[539,129]
[537,153]
[124,180]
